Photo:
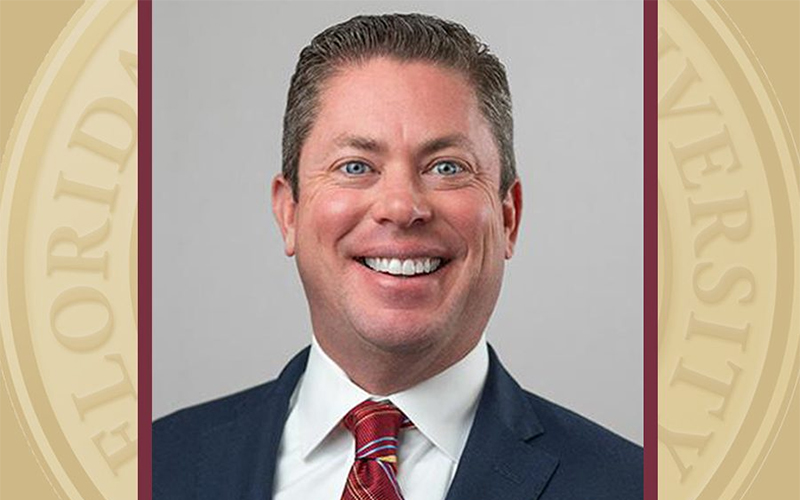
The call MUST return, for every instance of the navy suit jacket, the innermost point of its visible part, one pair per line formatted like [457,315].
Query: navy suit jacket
[521,447]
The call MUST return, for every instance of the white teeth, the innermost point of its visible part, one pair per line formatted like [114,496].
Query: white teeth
[406,267]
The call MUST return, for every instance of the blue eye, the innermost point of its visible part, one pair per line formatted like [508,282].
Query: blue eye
[447,168]
[355,168]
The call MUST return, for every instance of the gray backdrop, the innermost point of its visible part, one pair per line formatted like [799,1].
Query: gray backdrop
[228,308]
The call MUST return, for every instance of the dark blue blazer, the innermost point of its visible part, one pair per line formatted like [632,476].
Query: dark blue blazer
[521,447]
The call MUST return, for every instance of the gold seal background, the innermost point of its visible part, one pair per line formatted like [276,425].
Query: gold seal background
[60,62]
[770,30]
[26,35]
[729,407]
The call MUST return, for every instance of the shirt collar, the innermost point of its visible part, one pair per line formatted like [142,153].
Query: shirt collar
[441,414]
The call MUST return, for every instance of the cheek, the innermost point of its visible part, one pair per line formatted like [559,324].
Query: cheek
[330,215]
[476,217]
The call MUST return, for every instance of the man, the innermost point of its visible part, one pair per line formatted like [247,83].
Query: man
[399,200]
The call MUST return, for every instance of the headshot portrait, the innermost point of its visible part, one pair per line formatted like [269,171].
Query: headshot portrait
[397,250]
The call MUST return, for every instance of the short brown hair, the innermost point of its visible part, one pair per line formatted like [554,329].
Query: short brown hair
[406,37]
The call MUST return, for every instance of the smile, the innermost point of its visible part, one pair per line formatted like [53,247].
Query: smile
[403,267]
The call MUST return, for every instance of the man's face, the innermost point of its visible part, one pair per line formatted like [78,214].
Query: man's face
[399,232]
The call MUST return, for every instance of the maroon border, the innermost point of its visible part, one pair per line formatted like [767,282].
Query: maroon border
[650,291]
[650,247]
[144,250]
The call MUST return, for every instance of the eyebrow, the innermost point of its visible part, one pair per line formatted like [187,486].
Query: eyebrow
[448,141]
[360,142]
[428,147]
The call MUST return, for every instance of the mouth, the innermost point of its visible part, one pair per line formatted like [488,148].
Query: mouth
[404,268]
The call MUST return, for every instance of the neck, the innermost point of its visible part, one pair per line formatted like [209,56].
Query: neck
[382,372]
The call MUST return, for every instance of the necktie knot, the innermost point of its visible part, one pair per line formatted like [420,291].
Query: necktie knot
[375,426]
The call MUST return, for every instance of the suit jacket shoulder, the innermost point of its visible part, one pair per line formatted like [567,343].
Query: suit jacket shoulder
[522,446]
[593,461]
[225,448]
[178,438]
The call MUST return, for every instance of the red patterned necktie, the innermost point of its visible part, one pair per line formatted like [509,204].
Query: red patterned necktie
[373,476]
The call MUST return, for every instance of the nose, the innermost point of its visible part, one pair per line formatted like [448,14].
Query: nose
[401,201]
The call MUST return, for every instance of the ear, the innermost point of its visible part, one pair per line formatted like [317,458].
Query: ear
[284,208]
[512,213]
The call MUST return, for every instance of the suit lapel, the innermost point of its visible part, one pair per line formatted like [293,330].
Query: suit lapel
[499,460]
[238,458]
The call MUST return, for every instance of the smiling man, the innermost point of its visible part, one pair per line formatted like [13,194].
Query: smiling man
[399,201]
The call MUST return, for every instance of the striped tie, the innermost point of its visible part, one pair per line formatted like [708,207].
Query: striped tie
[374,473]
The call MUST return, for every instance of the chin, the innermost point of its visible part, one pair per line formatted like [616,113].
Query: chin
[399,336]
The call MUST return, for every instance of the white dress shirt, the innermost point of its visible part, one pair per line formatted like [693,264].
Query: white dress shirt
[316,451]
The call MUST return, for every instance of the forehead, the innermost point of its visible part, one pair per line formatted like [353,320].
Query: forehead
[403,104]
